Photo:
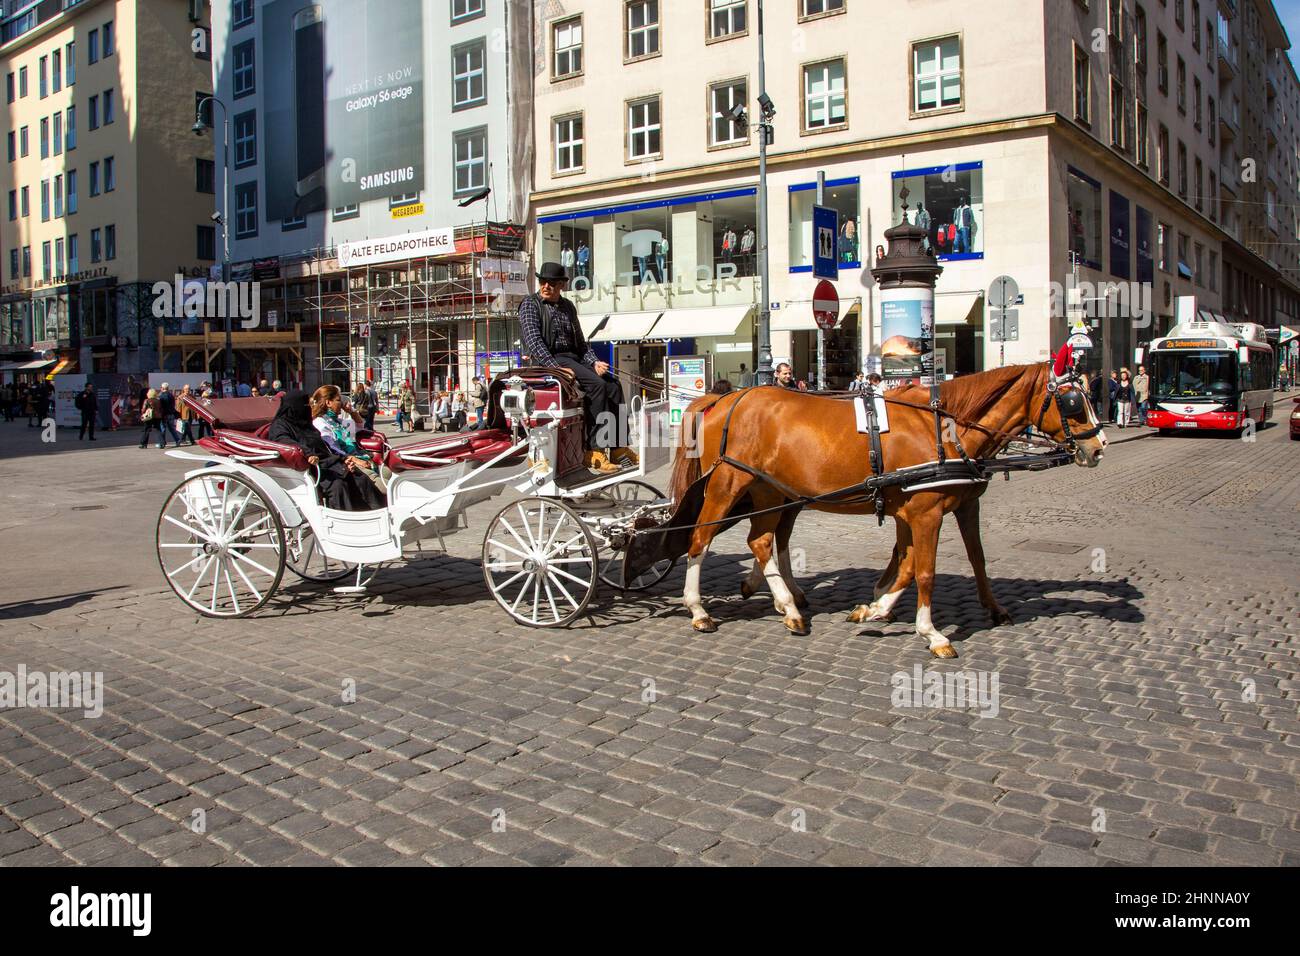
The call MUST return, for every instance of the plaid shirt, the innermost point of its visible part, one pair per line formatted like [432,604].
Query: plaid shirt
[565,331]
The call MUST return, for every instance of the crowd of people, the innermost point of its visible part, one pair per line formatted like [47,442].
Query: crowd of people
[31,399]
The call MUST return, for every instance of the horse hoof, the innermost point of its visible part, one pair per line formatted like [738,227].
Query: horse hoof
[705,625]
[797,626]
[746,591]
[800,599]
[946,651]
[864,614]
[999,616]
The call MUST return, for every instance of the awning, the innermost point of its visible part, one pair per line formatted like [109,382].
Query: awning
[590,323]
[627,327]
[63,363]
[794,317]
[698,323]
[25,366]
[956,308]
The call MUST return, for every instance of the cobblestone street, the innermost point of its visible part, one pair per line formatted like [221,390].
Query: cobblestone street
[1147,709]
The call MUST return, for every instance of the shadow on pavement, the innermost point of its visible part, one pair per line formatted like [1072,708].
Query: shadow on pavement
[43,606]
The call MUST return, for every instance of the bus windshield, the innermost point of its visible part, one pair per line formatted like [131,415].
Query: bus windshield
[1194,374]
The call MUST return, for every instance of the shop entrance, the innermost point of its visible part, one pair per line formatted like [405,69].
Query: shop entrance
[638,366]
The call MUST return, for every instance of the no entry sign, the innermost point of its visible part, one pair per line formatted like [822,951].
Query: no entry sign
[826,305]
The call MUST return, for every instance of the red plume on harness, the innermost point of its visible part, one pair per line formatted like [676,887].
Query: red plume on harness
[1064,361]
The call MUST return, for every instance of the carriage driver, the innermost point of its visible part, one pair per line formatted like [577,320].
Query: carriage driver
[552,337]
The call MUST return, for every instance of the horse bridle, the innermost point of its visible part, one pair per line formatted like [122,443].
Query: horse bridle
[1070,401]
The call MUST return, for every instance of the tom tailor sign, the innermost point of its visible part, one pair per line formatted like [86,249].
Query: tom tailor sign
[414,245]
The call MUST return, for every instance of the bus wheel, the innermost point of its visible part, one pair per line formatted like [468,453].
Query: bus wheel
[1166,431]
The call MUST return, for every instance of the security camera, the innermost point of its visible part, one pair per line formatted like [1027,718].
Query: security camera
[769,108]
[215,217]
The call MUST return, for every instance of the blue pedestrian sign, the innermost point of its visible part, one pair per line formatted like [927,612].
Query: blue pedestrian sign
[826,226]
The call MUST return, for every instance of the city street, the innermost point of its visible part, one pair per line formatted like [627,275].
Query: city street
[1146,708]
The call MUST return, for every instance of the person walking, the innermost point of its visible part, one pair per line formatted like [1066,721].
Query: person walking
[88,405]
[360,400]
[186,415]
[406,407]
[7,401]
[150,418]
[478,400]
[40,406]
[1124,400]
[1142,392]
[167,415]
[1112,387]
[746,377]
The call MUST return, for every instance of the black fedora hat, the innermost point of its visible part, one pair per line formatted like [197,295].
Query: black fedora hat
[552,270]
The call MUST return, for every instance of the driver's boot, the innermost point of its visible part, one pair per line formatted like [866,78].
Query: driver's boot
[596,461]
[622,455]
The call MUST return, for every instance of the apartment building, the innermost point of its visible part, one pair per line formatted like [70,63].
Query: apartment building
[1065,142]
[365,137]
[106,190]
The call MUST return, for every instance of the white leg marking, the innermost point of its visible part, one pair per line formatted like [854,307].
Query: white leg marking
[781,595]
[691,595]
[925,627]
[787,574]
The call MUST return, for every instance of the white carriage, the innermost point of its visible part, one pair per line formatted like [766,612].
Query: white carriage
[229,530]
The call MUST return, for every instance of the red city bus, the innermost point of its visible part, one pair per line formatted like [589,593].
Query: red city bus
[1210,375]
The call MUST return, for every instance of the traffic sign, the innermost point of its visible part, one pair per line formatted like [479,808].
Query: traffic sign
[826,305]
[1004,325]
[826,226]
[1079,327]
[1079,341]
[1003,292]
[1285,334]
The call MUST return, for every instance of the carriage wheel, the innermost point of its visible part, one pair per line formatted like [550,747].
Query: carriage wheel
[220,545]
[305,558]
[539,562]
[625,497]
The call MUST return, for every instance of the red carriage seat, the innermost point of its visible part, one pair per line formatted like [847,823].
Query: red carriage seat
[253,450]
[478,446]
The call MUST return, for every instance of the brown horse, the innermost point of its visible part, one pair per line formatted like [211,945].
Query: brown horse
[809,445]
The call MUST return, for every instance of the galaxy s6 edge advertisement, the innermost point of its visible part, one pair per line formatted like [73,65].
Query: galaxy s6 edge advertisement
[344,95]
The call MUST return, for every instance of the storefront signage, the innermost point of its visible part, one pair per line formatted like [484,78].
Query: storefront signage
[409,210]
[1119,236]
[704,283]
[687,377]
[70,278]
[504,237]
[414,245]
[264,269]
[503,275]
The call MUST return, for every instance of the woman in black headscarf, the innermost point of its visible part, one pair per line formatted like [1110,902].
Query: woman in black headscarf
[340,488]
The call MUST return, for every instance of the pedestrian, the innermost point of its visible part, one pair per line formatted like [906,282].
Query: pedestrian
[874,381]
[442,413]
[6,401]
[186,415]
[1112,388]
[785,378]
[746,377]
[149,417]
[167,415]
[88,405]
[1141,392]
[1124,399]
[406,407]
[478,400]
[277,389]
[458,406]
[361,404]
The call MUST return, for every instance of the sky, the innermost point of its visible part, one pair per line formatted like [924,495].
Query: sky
[1289,11]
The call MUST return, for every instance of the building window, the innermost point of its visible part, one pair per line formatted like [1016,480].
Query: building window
[45,261]
[13,264]
[566,41]
[56,71]
[205,176]
[1162,63]
[1083,202]
[110,174]
[1082,83]
[110,242]
[1140,39]
[73,264]
[107,32]
[206,247]
[246,210]
[58,258]
[96,246]
[92,112]
[1180,13]
[13,204]
[57,136]
[11,88]
[1196,20]
[465,10]
[43,76]
[1182,86]
[948,202]
[1143,157]
[469,165]
[568,144]
[244,74]
[1212,277]
[11,139]
[350,211]
[94,179]
[642,26]
[1214,197]
[45,137]
[1116,113]
[1182,169]
[245,139]
[723,99]
[92,47]
[1198,172]
[27,262]
[72,191]
[1214,118]
[727,18]
[468,75]
[241,13]
[1196,102]
[936,74]
[23,142]
[45,200]
[107,99]
[58,196]
[290,223]
[71,132]
[824,96]
[22,82]
[819,8]
[643,130]
[1162,155]
[403,199]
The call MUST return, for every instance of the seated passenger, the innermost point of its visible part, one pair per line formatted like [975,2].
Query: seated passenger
[344,483]
[551,335]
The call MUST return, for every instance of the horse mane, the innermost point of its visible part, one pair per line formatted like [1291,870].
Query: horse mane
[970,397]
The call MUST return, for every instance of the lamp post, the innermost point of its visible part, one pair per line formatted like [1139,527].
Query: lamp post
[465,203]
[199,128]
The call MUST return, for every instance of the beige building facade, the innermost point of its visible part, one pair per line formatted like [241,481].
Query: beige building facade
[1039,140]
[106,189]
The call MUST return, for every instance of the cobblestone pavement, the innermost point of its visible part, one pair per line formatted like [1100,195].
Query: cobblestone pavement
[1146,710]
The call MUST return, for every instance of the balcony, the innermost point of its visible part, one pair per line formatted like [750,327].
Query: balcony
[1227,127]
[1229,8]
[1228,181]
[1228,67]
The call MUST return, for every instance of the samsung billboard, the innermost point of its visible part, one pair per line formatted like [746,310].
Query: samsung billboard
[343,88]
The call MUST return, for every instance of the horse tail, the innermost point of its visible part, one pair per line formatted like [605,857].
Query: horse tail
[686,460]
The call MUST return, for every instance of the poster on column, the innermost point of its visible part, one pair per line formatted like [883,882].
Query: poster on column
[906,323]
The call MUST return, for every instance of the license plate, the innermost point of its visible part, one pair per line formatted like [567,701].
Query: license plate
[1185,424]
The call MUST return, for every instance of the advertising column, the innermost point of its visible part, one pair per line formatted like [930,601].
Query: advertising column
[906,328]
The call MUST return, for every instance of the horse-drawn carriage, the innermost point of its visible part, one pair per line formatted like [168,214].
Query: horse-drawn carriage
[232,526]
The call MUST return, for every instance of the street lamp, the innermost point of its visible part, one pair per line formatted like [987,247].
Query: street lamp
[763,374]
[199,128]
[480,196]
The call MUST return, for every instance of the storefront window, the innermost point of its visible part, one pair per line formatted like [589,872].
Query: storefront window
[842,196]
[1083,196]
[948,202]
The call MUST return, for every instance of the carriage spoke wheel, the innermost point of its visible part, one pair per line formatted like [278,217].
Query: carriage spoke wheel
[305,557]
[220,545]
[617,501]
[539,562]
